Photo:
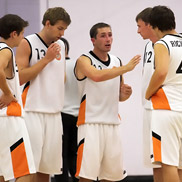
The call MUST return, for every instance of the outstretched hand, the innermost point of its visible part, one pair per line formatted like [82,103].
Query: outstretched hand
[133,62]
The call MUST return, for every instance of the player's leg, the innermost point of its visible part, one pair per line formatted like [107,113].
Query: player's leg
[2,179]
[170,173]
[180,174]
[26,178]
[157,175]
[41,177]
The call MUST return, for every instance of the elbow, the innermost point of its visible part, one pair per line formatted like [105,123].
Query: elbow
[97,78]
[162,76]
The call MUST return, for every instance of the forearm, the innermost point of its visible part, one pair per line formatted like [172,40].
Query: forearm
[155,83]
[107,74]
[3,86]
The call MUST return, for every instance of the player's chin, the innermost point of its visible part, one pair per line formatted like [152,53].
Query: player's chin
[108,48]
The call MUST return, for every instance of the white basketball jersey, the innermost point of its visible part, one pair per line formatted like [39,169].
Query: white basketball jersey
[14,108]
[46,92]
[100,100]
[169,96]
[148,69]
[71,99]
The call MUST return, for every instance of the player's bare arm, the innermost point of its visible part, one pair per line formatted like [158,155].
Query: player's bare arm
[85,69]
[161,70]
[27,72]
[5,71]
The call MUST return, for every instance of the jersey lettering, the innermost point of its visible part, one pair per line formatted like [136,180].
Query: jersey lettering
[149,57]
[179,70]
[99,66]
[40,53]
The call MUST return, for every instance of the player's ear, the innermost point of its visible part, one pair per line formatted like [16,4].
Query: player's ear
[13,34]
[93,40]
[47,23]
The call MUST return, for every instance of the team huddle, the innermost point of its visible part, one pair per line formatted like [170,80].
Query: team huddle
[34,121]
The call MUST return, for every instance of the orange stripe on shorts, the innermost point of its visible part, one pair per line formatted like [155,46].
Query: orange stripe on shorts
[19,159]
[159,100]
[156,147]
[79,157]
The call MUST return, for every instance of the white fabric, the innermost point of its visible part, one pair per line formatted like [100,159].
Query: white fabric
[46,91]
[45,132]
[71,96]
[12,130]
[102,152]
[167,126]
[102,98]
[172,85]
[14,86]
[148,69]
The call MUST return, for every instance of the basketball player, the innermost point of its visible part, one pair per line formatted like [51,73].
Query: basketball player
[99,135]
[164,93]
[145,30]
[16,158]
[41,59]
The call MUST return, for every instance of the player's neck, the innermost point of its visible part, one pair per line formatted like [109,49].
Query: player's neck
[8,42]
[101,55]
[44,37]
[162,34]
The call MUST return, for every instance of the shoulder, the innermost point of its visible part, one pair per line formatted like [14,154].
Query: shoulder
[5,49]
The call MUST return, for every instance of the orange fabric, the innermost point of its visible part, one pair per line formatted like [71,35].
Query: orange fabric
[81,115]
[14,109]
[24,95]
[119,116]
[157,149]
[79,159]
[159,100]
[19,161]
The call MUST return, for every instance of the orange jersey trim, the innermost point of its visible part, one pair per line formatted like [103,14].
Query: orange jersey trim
[81,115]
[24,95]
[159,100]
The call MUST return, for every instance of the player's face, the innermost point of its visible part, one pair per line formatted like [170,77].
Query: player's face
[144,29]
[18,37]
[103,40]
[57,30]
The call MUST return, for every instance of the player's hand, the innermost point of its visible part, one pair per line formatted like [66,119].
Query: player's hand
[133,62]
[5,100]
[52,52]
[125,92]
